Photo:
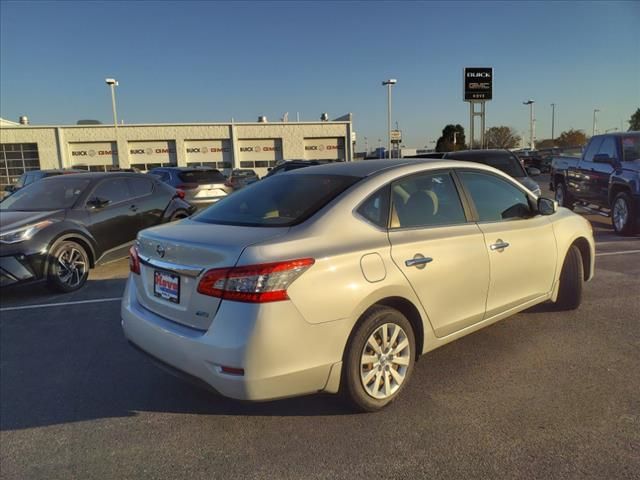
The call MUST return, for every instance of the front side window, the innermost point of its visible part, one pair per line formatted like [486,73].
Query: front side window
[608,147]
[631,147]
[495,199]
[592,149]
[426,200]
[140,186]
[48,194]
[113,190]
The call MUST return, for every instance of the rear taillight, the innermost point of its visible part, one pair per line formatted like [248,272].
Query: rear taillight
[228,183]
[134,260]
[187,186]
[262,283]
[179,193]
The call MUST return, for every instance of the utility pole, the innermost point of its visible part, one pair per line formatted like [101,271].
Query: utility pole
[532,131]
[595,121]
[388,83]
[553,121]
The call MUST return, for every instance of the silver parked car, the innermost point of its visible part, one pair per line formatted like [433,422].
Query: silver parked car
[338,277]
[200,186]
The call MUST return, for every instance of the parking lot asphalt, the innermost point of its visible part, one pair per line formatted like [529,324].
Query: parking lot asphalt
[542,394]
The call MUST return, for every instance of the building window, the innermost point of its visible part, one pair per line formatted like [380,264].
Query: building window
[16,159]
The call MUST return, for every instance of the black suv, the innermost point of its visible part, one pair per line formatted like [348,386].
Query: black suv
[56,229]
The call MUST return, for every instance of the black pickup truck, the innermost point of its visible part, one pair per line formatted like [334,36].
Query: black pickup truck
[606,178]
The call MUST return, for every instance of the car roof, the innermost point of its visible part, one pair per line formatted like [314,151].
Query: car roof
[99,175]
[366,168]
[185,169]
[479,153]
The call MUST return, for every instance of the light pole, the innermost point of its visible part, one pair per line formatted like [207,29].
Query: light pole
[388,83]
[595,121]
[113,83]
[366,147]
[532,120]
[553,121]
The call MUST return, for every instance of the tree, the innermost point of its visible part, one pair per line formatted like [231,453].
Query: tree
[571,138]
[502,137]
[445,142]
[634,121]
[546,143]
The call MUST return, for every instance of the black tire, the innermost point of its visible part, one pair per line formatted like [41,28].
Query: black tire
[353,388]
[73,276]
[178,215]
[562,196]
[571,281]
[626,225]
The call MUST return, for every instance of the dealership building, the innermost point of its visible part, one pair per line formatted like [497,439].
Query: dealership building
[257,145]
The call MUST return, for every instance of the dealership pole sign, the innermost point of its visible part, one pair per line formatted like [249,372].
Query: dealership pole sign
[477,89]
[478,84]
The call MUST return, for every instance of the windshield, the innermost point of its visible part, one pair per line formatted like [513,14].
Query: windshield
[282,200]
[48,194]
[504,161]
[202,176]
[631,148]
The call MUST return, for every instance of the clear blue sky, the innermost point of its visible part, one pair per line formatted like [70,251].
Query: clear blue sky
[211,61]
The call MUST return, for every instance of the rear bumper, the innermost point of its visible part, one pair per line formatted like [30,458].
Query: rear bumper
[282,355]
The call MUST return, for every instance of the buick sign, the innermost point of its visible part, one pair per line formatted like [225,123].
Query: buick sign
[478,83]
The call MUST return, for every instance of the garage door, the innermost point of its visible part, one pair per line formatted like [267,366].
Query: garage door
[152,154]
[209,153]
[15,159]
[324,149]
[94,156]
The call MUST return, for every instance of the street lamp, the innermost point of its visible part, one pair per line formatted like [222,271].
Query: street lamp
[388,83]
[113,83]
[531,122]
[595,122]
[553,121]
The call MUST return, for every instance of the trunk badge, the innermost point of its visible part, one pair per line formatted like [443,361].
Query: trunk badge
[160,251]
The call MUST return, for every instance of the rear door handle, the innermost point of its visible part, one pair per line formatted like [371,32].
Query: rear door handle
[418,261]
[499,245]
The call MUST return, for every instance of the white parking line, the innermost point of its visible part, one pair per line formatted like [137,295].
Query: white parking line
[624,252]
[61,304]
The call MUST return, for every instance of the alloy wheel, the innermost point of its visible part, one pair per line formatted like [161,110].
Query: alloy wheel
[384,361]
[71,267]
[620,214]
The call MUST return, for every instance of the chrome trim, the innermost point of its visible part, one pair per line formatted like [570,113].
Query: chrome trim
[414,262]
[499,245]
[186,270]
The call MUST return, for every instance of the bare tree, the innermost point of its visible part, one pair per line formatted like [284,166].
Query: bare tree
[502,137]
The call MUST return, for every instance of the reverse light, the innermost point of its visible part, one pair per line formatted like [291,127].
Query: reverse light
[134,260]
[267,282]
[24,233]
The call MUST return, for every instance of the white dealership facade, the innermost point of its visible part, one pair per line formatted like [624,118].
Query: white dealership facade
[226,146]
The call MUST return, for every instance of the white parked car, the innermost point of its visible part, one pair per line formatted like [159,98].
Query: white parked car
[338,277]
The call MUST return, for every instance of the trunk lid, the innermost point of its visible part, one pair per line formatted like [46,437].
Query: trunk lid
[173,259]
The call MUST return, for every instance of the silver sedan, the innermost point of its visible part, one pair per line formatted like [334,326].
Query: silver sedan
[337,278]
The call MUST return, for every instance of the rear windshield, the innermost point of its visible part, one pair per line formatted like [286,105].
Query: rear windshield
[48,194]
[504,161]
[631,148]
[202,176]
[279,201]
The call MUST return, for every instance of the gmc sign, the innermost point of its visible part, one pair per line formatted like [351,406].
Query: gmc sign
[478,83]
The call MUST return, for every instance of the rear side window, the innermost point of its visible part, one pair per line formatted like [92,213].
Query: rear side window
[631,148]
[426,200]
[375,209]
[278,201]
[202,176]
[114,190]
[495,199]
[140,186]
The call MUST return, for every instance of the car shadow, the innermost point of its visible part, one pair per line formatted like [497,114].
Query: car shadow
[72,363]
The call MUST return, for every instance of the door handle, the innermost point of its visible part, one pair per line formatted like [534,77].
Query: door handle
[418,261]
[499,245]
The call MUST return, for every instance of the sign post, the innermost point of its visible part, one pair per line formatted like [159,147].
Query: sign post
[478,89]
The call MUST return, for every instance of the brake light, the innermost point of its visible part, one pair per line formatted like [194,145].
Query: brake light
[187,186]
[134,260]
[228,183]
[179,193]
[267,282]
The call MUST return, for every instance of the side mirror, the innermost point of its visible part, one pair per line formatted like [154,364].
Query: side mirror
[602,158]
[97,203]
[546,206]
[533,171]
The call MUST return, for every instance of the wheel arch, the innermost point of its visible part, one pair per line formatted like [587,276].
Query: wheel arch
[585,252]
[617,188]
[80,239]
[404,306]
